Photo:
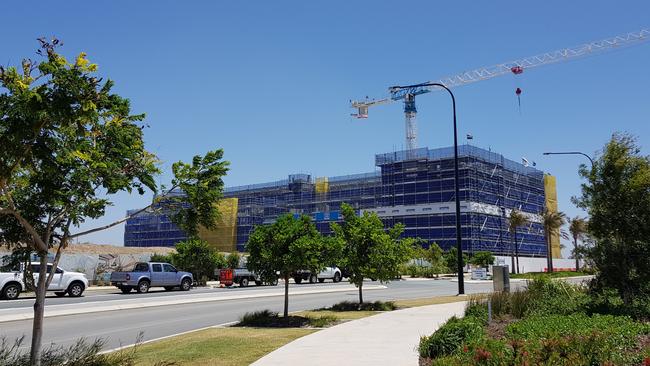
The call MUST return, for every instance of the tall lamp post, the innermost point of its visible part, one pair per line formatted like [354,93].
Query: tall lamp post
[459,245]
[572,153]
[592,168]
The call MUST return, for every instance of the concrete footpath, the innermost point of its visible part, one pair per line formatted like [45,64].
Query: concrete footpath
[389,338]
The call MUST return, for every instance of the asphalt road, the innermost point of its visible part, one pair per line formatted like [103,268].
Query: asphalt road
[122,327]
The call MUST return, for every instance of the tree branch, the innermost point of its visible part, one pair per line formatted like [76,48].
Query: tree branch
[101,228]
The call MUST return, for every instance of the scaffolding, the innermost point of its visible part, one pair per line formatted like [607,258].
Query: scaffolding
[415,188]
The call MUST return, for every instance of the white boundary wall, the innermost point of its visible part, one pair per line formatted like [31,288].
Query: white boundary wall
[537,264]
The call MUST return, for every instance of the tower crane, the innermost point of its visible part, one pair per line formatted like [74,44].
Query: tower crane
[512,67]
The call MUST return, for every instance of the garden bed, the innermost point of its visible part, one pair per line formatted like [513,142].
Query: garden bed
[550,323]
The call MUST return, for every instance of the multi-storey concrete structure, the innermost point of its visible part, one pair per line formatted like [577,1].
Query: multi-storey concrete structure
[414,187]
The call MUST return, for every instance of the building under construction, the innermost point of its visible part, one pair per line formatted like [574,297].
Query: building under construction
[414,187]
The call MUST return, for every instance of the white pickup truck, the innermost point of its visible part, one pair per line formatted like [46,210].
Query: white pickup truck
[63,282]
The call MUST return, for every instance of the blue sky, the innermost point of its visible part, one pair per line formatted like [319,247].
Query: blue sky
[269,81]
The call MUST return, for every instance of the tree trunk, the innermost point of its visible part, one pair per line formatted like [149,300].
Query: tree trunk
[575,253]
[512,256]
[286,296]
[39,308]
[516,251]
[549,253]
[361,292]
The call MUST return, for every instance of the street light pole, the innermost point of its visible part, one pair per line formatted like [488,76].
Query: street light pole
[572,153]
[459,245]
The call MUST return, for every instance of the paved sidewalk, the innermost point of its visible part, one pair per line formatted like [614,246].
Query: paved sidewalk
[390,338]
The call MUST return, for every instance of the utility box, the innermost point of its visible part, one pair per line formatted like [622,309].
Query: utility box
[501,278]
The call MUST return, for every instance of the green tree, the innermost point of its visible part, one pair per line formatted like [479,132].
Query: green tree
[578,230]
[67,145]
[451,259]
[552,222]
[433,254]
[482,259]
[164,258]
[198,257]
[288,245]
[617,198]
[368,250]
[516,220]
[232,260]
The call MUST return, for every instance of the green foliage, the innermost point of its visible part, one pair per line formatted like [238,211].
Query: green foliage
[617,198]
[556,297]
[368,250]
[65,139]
[81,353]
[367,306]
[434,257]
[202,185]
[270,319]
[451,336]
[451,259]
[482,259]
[197,257]
[164,258]
[233,259]
[288,245]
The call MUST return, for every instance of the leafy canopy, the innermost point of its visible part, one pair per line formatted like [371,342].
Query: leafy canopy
[369,251]
[617,199]
[65,138]
[289,244]
[197,257]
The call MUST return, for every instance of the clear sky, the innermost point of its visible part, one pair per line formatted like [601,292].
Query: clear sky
[269,81]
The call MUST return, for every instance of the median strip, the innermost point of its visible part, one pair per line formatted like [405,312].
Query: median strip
[7,315]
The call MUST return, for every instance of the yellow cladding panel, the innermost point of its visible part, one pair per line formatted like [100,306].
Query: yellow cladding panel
[224,236]
[550,192]
[322,185]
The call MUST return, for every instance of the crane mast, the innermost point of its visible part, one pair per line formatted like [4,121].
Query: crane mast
[486,73]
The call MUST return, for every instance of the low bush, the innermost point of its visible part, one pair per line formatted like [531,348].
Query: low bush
[366,306]
[549,297]
[270,319]
[451,336]
[81,353]
[571,340]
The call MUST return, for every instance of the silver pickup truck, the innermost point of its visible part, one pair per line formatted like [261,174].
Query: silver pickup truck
[152,274]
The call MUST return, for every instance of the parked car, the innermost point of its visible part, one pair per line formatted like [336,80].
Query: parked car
[63,282]
[153,274]
[329,273]
[241,276]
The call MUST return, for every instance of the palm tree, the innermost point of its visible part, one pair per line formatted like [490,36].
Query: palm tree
[552,222]
[516,220]
[578,229]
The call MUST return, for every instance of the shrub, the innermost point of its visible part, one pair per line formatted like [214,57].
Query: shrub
[555,297]
[232,260]
[81,353]
[451,336]
[366,306]
[270,319]
[600,338]
[482,259]
[160,258]
[477,307]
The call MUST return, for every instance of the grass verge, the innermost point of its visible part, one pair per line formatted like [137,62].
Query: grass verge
[261,332]
[218,346]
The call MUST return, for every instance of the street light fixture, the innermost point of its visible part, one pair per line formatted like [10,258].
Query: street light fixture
[572,153]
[459,245]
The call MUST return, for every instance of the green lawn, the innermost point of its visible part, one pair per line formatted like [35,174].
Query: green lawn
[244,345]
[218,346]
